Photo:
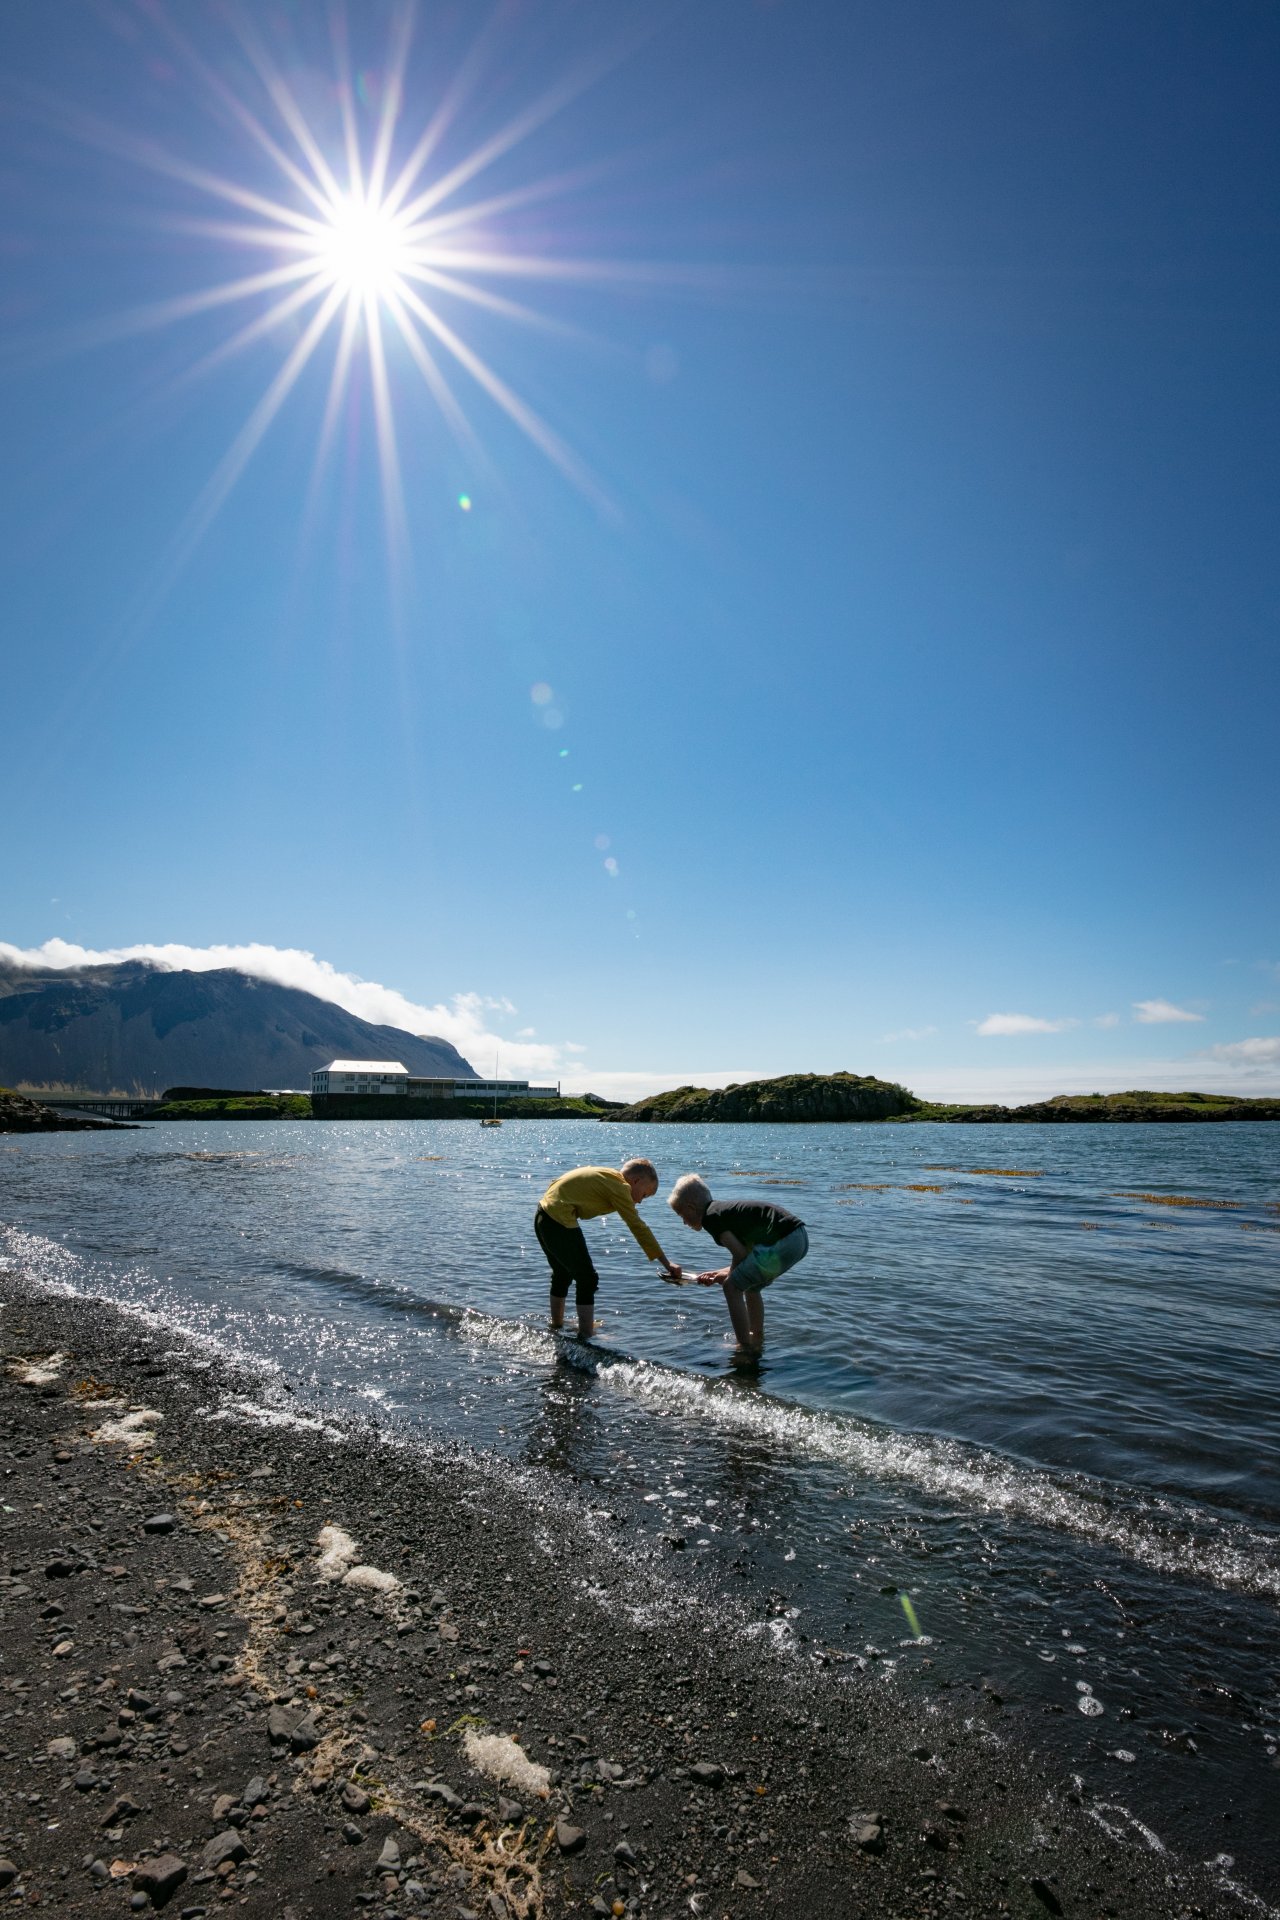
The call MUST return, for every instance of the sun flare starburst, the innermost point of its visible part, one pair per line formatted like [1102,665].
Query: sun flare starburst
[375,252]
[364,249]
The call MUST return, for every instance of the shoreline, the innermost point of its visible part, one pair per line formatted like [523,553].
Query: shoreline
[688,1758]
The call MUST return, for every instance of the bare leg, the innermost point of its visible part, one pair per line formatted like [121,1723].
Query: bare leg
[586,1319]
[557,1309]
[735,1300]
[755,1319]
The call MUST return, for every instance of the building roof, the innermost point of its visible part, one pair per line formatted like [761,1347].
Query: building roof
[364,1066]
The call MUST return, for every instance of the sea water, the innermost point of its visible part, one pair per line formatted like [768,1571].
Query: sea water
[1015,1438]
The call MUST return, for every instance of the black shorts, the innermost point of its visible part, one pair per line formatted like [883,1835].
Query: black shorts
[570,1259]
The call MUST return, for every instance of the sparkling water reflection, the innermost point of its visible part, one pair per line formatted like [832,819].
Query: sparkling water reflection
[1004,1399]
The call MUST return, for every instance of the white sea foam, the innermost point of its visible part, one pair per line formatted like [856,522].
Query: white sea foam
[505,1761]
[38,1373]
[131,1430]
[1164,1534]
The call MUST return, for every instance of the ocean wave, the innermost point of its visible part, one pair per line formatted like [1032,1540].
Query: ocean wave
[1167,1535]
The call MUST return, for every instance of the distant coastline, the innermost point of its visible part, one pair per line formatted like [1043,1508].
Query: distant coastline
[797,1099]
[809,1097]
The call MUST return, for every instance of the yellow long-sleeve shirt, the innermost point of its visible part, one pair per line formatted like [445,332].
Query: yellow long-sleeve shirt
[588,1192]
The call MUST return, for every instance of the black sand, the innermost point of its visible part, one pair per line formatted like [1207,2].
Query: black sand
[190,1715]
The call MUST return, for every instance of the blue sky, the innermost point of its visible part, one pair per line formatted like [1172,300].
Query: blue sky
[884,678]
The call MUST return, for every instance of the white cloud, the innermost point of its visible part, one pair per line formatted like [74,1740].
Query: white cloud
[1258,1053]
[1107,1020]
[1009,1023]
[906,1033]
[460,1021]
[1159,1013]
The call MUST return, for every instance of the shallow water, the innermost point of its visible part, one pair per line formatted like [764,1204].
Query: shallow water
[1005,1400]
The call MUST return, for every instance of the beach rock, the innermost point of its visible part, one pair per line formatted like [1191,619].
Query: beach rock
[62,1568]
[255,1792]
[1045,1895]
[8,1873]
[569,1839]
[951,1811]
[354,1798]
[705,1773]
[625,1853]
[160,1523]
[510,1812]
[85,1781]
[63,1748]
[305,1735]
[869,1838]
[119,1811]
[351,1833]
[743,1879]
[471,1813]
[224,1846]
[389,1858]
[158,1879]
[223,1807]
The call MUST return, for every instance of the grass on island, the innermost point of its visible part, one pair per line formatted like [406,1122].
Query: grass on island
[283,1106]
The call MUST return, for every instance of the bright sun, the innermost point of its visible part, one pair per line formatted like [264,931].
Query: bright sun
[364,249]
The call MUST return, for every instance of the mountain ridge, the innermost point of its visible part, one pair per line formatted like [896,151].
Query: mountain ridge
[135,1027]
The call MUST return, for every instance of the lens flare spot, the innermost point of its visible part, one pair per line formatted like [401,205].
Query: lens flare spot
[464,501]
[602,843]
[910,1612]
[541,694]
[611,867]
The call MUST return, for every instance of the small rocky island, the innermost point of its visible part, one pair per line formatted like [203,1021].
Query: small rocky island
[793,1096]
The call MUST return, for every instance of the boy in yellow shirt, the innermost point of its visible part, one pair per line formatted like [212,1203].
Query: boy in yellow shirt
[585,1194]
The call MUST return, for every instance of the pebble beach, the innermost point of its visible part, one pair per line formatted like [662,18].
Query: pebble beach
[274,1663]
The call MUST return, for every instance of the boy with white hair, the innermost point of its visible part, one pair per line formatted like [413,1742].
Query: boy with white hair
[761,1239]
[585,1194]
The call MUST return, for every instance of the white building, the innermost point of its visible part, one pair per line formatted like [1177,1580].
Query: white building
[360,1076]
[390,1076]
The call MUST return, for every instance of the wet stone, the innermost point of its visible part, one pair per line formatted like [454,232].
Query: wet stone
[224,1846]
[569,1839]
[160,1523]
[354,1798]
[351,1833]
[705,1773]
[159,1879]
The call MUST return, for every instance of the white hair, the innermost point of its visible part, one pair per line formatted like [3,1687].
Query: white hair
[690,1194]
[645,1167]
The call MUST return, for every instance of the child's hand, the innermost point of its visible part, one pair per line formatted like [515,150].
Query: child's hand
[712,1279]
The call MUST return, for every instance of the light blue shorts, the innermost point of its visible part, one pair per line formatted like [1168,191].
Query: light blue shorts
[763,1264]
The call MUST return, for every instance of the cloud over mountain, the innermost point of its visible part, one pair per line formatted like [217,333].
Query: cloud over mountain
[462,1021]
